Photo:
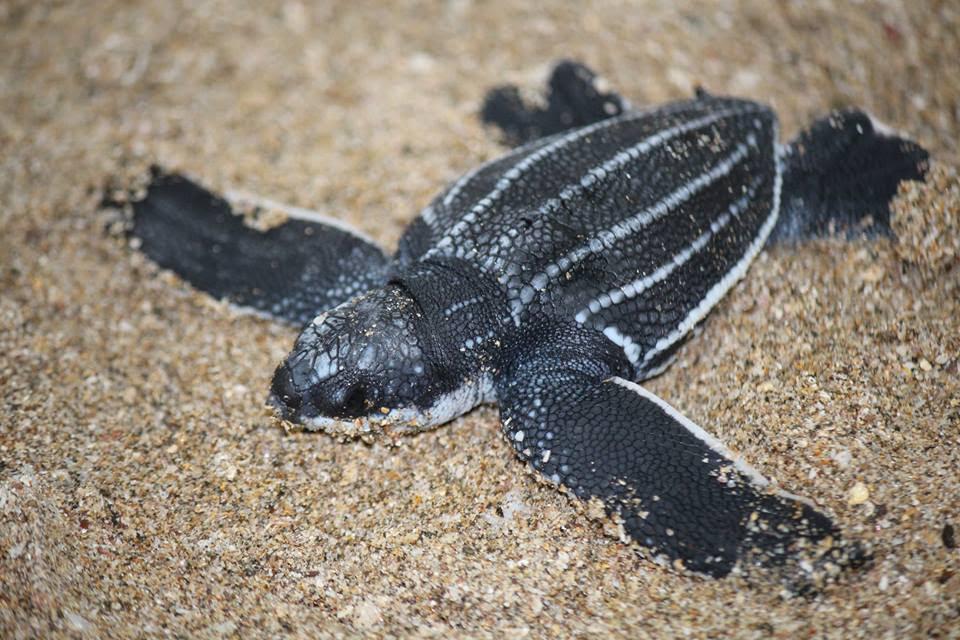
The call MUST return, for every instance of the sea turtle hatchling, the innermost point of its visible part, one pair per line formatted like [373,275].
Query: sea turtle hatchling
[551,281]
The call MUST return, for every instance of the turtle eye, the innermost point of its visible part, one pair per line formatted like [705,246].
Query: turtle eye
[354,401]
[348,401]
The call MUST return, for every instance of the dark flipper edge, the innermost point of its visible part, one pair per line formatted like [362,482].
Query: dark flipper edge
[575,98]
[675,489]
[842,173]
[291,271]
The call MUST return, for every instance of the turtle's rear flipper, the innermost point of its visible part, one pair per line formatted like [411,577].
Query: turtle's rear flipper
[840,175]
[673,488]
[291,271]
[576,97]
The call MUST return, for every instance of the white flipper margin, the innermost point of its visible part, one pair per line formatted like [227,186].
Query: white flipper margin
[738,463]
[244,198]
[755,476]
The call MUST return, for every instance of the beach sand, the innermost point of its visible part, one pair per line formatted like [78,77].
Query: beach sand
[146,491]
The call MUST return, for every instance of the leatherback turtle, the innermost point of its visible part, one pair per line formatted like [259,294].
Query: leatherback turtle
[551,281]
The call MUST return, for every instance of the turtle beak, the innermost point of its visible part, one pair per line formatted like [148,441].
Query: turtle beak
[284,395]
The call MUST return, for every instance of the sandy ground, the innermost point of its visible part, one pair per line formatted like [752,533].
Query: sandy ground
[144,489]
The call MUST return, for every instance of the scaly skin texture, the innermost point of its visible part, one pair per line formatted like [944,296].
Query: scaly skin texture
[671,491]
[550,280]
[564,223]
[283,272]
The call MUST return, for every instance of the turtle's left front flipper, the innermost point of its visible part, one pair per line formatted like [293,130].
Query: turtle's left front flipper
[576,96]
[291,271]
[674,488]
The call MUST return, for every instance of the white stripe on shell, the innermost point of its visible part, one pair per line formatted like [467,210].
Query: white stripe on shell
[695,430]
[459,185]
[608,237]
[298,213]
[617,162]
[630,348]
[429,214]
[517,171]
[635,288]
[734,275]
[660,368]
[465,179]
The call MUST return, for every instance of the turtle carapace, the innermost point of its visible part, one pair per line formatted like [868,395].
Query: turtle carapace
[552,281]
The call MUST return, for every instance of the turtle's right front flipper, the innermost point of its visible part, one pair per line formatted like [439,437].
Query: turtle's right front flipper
[291,271]
[674,488]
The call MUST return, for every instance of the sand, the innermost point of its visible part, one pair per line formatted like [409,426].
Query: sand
[144,489]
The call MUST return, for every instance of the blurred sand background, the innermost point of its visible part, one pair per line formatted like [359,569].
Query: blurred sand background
[146,492]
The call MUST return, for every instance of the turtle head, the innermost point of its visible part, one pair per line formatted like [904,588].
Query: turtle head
[358,366]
